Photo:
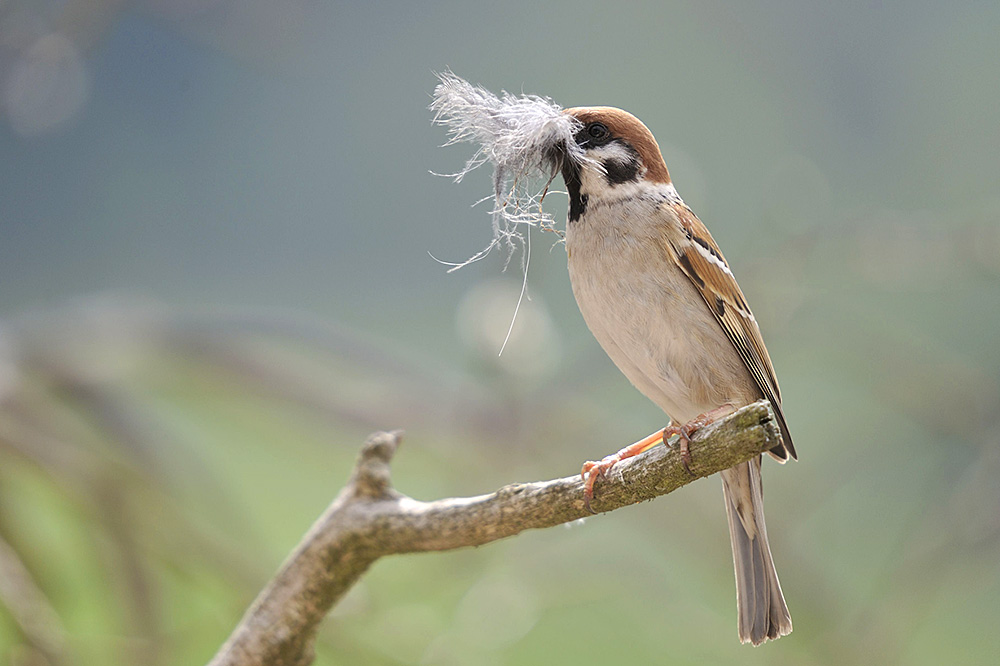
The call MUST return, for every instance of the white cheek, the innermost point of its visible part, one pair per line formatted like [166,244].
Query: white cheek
[593,181]
[612,151]
[595,185]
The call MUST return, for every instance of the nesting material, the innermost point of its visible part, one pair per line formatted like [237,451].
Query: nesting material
[525,137]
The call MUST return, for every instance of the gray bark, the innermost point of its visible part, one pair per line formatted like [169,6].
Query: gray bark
[370,519]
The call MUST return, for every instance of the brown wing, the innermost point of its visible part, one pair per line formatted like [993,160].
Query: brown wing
[701,260]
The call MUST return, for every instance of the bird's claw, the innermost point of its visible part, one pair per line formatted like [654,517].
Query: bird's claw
[596,470]
[683,444]
[593,470]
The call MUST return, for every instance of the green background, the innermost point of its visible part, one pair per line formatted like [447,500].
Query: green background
[215,227]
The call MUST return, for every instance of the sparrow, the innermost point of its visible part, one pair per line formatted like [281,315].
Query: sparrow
[661,299]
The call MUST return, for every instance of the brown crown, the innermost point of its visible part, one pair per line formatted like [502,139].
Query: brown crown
[625,126]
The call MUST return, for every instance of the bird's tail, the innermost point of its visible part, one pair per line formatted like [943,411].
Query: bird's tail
[759,604]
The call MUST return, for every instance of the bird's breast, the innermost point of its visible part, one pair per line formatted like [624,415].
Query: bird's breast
[646,314]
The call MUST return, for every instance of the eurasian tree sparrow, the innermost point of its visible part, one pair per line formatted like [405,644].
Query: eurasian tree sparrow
[661,300]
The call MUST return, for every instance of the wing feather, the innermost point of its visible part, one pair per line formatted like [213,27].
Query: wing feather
[699,257]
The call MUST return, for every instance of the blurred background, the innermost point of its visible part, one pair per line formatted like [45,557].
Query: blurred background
[215,226]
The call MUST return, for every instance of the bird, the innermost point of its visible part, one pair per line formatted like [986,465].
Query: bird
[659,296]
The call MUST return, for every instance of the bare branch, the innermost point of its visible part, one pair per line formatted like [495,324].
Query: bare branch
[370,519]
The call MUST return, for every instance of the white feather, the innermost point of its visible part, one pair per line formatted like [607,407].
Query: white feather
[523,136]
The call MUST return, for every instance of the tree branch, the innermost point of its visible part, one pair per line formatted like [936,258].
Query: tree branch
[370,519]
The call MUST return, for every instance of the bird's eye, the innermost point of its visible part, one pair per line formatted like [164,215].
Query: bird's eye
[593,135]
[598,131]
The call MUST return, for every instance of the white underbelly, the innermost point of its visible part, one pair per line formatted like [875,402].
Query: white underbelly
[654,325]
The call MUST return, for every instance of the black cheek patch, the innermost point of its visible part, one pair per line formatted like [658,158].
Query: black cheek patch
[617,172]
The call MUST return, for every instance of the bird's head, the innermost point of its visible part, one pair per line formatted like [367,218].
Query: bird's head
[620,153]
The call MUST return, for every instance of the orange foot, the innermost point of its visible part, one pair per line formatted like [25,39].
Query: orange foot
[594,470]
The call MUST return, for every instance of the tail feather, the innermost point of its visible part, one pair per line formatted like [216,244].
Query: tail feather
[762,613]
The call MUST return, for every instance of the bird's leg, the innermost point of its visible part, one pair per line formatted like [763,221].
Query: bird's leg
[593,470]
[684,432]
